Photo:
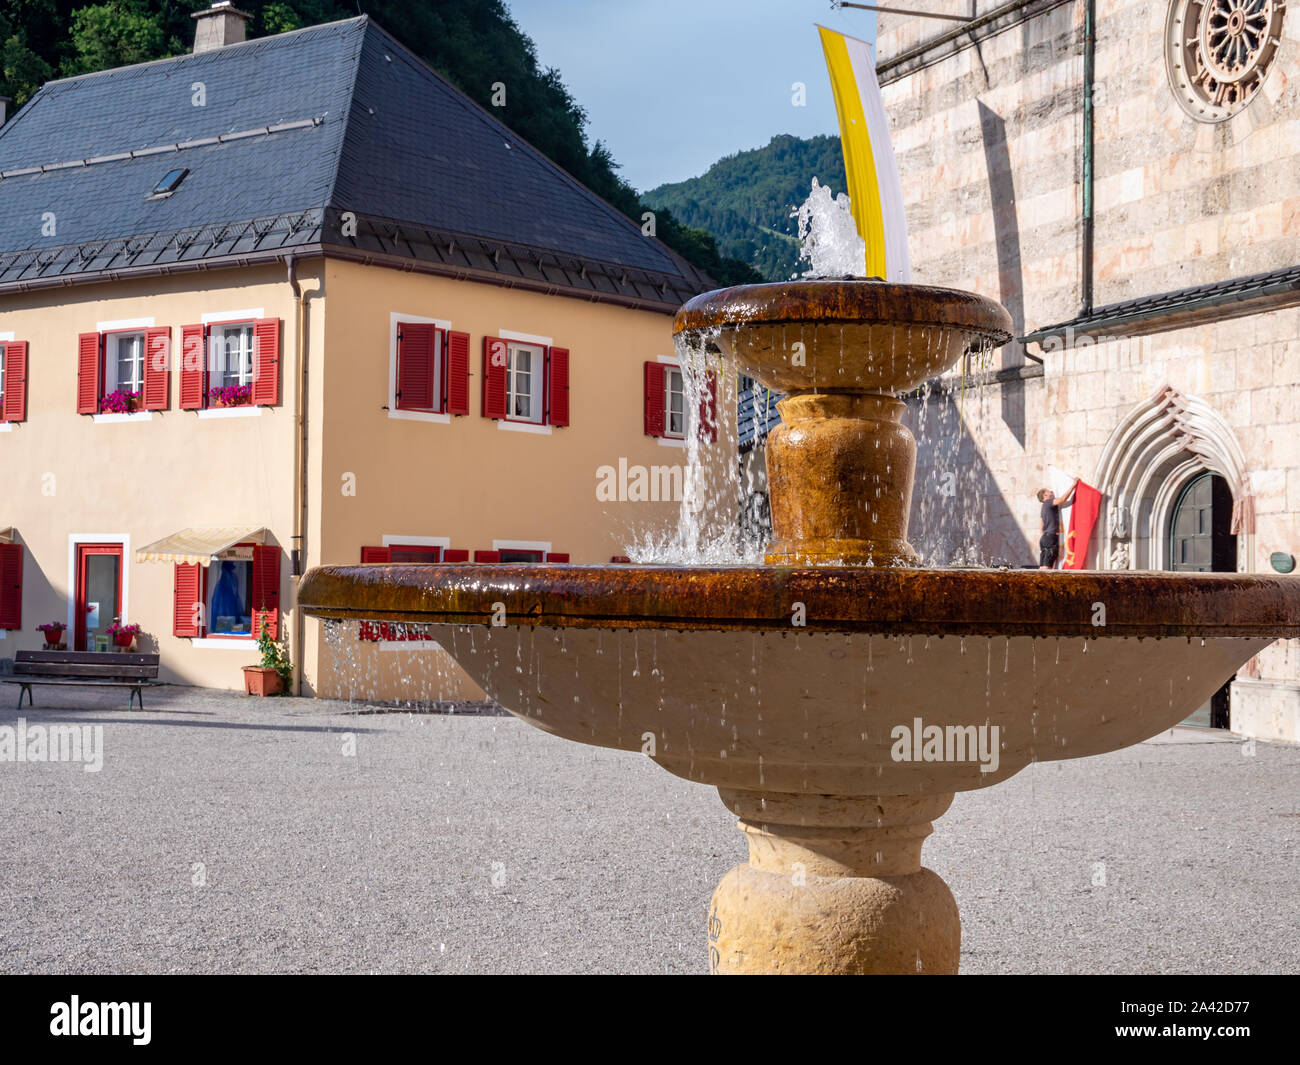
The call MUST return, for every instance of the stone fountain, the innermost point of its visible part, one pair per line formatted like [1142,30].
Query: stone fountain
[836,696]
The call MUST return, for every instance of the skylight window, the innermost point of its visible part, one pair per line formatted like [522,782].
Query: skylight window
[171,180]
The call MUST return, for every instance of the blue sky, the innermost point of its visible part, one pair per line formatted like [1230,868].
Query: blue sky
[671,86]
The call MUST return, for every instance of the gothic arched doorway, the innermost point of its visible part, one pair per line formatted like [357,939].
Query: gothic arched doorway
[1201,540]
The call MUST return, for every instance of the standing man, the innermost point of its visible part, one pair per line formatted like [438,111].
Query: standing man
[1049,544]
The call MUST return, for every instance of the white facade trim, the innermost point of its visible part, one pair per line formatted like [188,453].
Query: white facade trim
[231,412]
[247,314]
[416,541]
[241,644]
[136,416]
[122,325]
[525,338]
[521,545]
[523,427]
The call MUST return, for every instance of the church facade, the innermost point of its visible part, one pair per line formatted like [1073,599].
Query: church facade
[1125,178]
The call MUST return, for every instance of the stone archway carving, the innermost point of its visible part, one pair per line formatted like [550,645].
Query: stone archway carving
[1159,446]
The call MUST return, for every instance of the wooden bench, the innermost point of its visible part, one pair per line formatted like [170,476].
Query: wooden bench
[89,669]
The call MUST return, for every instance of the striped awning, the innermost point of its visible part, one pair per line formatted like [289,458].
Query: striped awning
[201,546]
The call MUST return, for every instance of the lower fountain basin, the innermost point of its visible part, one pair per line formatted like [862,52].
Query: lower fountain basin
[832,681]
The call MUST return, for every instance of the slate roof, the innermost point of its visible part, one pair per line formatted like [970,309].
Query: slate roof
[297,133]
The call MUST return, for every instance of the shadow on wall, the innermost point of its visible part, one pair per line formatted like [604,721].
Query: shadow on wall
[959,514]
[42,602]
[1006,228]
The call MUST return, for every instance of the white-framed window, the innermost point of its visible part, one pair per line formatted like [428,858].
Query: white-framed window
[674,403]
[525,380]
[230,355]
[124,363]
[422,346]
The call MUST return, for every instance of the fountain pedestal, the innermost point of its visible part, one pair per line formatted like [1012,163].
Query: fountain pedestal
[834,885]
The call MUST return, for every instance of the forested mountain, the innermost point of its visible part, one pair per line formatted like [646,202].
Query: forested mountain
[745,200]
[473,43]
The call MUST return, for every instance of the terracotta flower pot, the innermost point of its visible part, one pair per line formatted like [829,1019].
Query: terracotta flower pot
[262,680]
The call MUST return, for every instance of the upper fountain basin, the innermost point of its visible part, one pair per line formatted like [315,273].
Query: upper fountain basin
[843,335]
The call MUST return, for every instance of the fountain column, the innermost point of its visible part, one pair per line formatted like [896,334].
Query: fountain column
[834,885]
[839,469]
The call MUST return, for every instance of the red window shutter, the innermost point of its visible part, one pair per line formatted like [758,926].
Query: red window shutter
[194,365]
[266,362]
[455,555]
[417,347]
[709,409]
[376,554]
[157,368]
[556,556]
[266,590]
[557,360]
[15,402]
[494,377]
[457,375]
[88,373]
[11,586]
[487,556]
[187,585]
[656,387]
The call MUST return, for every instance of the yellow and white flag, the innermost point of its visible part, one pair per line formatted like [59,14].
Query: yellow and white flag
[874,188]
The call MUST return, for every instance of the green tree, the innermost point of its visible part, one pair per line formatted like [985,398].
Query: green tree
[22,71]
[114,34]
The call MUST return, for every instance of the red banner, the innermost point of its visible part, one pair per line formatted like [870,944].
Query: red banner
[1083,517]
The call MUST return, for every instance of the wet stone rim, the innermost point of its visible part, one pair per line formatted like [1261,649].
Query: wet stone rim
[852,302]
[885,601]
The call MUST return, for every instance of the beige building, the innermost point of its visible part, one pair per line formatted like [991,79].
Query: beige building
[345,318]
[1125,178]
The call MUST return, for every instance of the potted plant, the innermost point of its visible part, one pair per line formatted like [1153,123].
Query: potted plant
[274,675]
[120,401]
[53,632]
[231,396]
[123,635]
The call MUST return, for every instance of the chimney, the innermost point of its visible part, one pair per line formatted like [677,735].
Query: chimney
[5,101]
[218,26]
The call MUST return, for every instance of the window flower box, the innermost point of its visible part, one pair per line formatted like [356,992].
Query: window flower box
[230,396]
[120,401]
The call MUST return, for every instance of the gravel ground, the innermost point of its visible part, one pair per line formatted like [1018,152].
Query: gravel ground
[230,835]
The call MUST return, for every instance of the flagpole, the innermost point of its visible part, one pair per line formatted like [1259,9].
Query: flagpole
[901,11]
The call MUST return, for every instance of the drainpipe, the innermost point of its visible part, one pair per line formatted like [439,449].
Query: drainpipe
[300,468]
[1089,74]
